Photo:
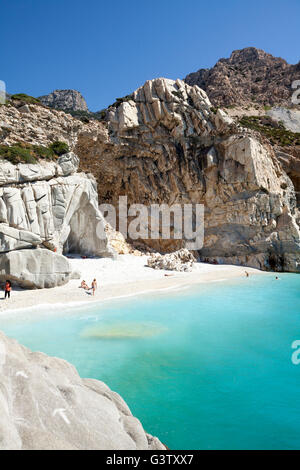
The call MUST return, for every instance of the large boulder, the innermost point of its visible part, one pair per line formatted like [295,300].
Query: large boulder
[45,405]
[69,163]
[47,205]
[35,268]
[181,260]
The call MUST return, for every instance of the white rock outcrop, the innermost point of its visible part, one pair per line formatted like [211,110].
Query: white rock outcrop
[181,260]
[47,205]
[58,211]
[290,118]
[168,145]
[37,268]
[45,405]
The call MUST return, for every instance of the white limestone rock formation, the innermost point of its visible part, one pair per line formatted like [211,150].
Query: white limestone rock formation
[290,118]
[35,268]
[45,405]
[60,212]
[168,145]
[181,260]
[51,206]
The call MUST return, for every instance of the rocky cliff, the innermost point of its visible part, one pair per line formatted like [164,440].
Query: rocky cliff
[165,143]
[65,99]
[249,76]
[46,209]
[45,405]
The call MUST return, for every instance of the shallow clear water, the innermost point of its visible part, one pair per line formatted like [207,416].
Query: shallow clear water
[205,368]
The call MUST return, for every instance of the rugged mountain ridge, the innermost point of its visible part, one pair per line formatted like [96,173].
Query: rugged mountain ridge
[65,99]
[250,76]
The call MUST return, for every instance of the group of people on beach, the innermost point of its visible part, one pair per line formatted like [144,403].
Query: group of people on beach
[93,287]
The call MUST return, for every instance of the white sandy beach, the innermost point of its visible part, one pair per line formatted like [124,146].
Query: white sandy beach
[126,276]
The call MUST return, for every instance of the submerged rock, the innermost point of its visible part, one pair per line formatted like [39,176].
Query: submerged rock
[45,405]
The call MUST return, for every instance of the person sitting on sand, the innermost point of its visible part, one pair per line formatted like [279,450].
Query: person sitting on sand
[94,286]
[7,289]
[84,285]
[247,274]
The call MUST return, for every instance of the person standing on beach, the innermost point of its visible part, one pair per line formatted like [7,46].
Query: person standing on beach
[94,286]
[7,289]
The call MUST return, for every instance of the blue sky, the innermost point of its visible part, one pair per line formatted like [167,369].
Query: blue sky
[106,49]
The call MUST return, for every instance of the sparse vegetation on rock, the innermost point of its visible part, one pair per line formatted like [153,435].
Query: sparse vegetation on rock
[275,132]
[27,153]
[119,101]
[59,148]
[25,98]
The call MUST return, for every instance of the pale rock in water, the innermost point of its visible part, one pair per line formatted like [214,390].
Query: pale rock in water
[45,405]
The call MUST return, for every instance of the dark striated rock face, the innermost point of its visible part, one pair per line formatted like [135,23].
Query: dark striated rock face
[249,76]
[65,99]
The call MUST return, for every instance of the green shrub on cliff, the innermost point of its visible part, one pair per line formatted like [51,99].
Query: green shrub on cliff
[59,148]
[17,154]
[27,153]
[119,101]
[25,98]
[275,132]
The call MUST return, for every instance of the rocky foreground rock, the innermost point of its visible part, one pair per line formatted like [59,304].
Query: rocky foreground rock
[45,405]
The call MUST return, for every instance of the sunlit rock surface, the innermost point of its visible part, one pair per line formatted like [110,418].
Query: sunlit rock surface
[45,405]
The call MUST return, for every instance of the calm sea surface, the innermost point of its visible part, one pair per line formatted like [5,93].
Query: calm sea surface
[203,368]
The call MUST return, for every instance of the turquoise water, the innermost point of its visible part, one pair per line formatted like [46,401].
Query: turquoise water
[205,368]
